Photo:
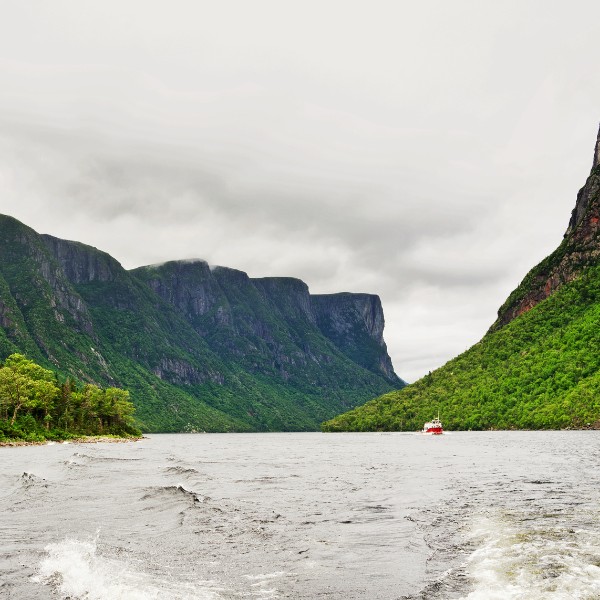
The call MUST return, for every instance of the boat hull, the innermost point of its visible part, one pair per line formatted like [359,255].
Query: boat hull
[434,431]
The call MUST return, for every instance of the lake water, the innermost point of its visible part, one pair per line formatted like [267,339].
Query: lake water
[486,515]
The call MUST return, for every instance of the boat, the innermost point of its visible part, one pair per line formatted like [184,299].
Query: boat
[434,427]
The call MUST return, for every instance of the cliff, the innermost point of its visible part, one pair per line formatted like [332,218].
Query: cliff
[200,348]
[275,317]
[354,323]
[579,249]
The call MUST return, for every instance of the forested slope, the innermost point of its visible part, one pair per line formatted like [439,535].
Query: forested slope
[537,367]
[199,349]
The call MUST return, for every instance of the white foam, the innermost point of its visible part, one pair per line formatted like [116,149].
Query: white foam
[520,563]
[77,572]
[263,576]
[262,580]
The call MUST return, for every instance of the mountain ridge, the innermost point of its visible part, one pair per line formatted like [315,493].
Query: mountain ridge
[200,347]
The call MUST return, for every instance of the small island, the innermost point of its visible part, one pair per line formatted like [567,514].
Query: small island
[36,406]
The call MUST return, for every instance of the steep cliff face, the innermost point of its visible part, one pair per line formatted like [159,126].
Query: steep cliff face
[354,323]
[273,325]
[28,265]
[289,295]
[42,313]
[81,263]
[199,348]
[190,287]
[579,249]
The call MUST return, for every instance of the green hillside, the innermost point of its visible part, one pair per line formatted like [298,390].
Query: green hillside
[199,349]
[539,365]
[541,371]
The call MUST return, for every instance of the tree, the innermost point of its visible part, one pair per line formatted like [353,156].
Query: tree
[23,384]
[45,393]
[16,392]
[26,387]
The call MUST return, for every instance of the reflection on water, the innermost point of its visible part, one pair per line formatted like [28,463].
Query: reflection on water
[380,516]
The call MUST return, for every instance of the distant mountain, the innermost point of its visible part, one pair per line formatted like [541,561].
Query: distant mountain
[199,348]
[537,367]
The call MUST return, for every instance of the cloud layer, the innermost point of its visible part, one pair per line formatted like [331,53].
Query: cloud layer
[430,154]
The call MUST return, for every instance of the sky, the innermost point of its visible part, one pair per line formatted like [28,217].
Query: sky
[429,152]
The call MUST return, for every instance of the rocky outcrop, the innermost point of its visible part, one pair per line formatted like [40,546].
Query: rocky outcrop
[181,372]
[189,286]
[579,249]
[271,322]
[5,320]
[81,263]
[289,295]
[354,323]
[23,251]
[597,151]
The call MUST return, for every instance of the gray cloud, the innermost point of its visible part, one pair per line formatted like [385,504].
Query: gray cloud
[429,153]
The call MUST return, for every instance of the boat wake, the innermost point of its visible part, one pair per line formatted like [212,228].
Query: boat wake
[75,570]
[512,562]
[539,543]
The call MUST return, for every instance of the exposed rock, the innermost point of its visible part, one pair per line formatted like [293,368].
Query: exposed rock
[82,263]
[190,286]
[290,295]
[597,151]
[354,323]
[5,320]
[21,245]
[181,372]
[239,314]
[580,248]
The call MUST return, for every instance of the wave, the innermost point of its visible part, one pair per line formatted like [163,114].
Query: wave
[97,458]
[181,470]
[554,562]
[31,480]
[75,570]
[173,491]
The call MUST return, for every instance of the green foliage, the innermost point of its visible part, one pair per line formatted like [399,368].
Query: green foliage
[35,406]
[541,371]
[74,309]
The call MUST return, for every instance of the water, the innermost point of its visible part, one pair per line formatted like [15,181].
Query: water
[472,516]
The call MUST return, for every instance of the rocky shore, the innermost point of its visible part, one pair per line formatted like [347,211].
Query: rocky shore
[96,439]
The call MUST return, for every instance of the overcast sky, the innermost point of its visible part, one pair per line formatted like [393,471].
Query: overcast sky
[429,152]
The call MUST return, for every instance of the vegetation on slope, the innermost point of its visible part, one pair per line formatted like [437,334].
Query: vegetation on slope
[540,371]
[35,405]
[579,250]
[253,362]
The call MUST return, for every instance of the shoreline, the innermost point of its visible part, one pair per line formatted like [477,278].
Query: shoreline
[92,439]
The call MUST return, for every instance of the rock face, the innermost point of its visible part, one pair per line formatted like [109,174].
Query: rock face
[579,249]
[354,323]
[36,281]
[275,317]
[200,348]
[597,151]
[190,287]
[79,264]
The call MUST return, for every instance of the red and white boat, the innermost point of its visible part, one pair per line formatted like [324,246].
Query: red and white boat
[434,427]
